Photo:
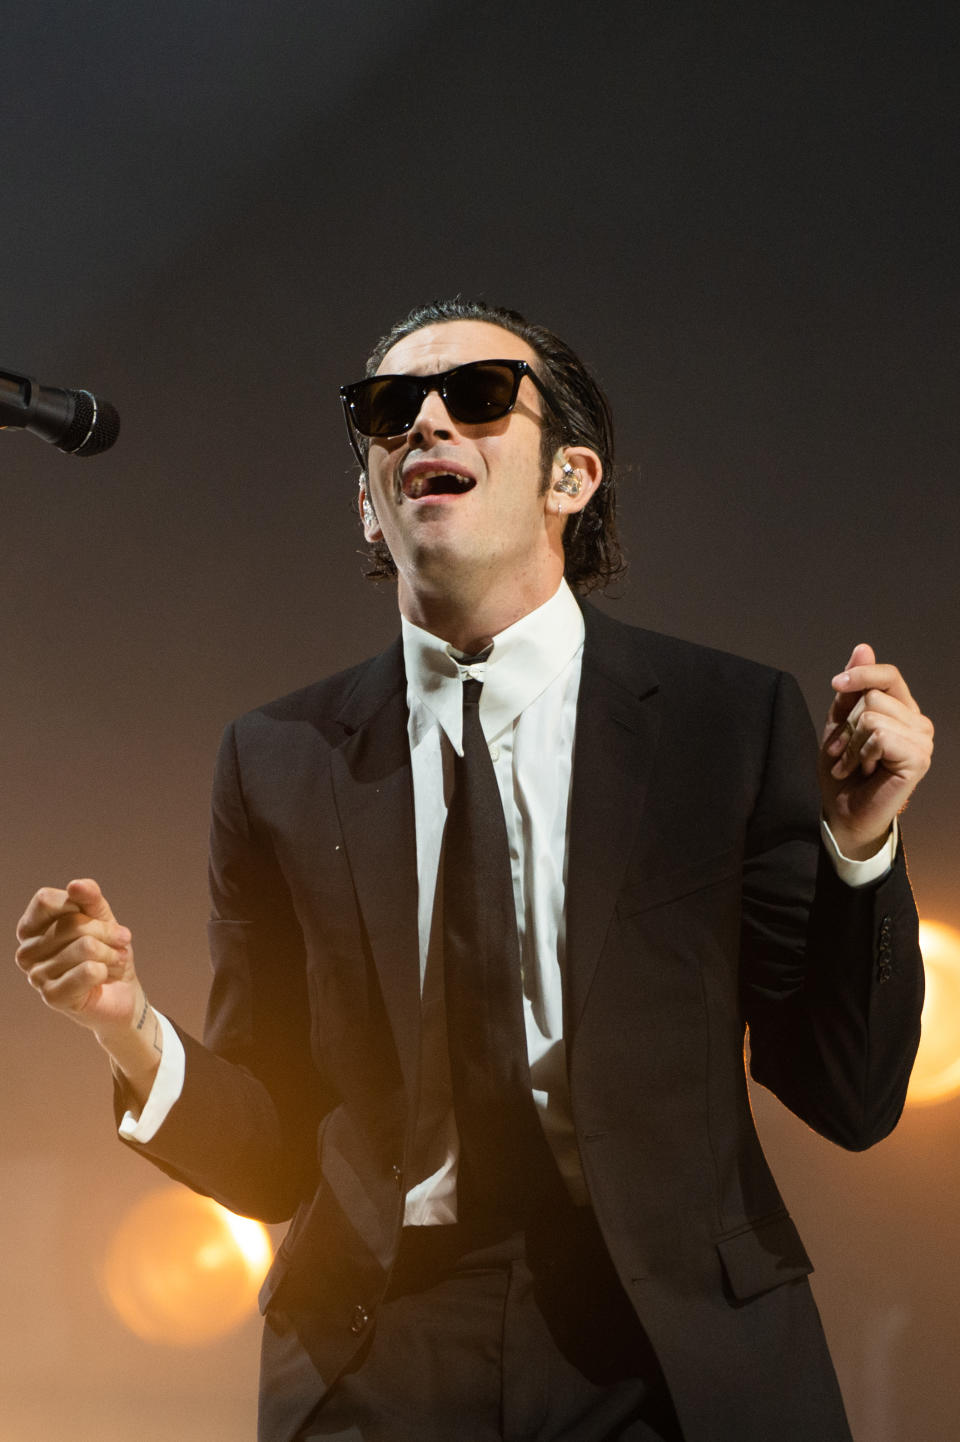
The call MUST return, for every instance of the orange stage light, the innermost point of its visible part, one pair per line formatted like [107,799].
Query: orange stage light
[183,1270]
[936,1075]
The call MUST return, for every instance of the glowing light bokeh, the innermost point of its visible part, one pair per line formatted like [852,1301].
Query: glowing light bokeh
[182,1270]
[936,1075]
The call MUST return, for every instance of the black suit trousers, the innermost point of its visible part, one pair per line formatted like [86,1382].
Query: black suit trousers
[527,1337]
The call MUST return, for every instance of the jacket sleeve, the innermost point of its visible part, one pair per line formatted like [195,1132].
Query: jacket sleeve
[832,977]
[244,1129]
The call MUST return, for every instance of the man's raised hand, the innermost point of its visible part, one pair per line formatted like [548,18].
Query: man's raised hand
[80,960]
[77,956]
[876,746]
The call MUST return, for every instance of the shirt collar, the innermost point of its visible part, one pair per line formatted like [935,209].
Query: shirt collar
[523,661]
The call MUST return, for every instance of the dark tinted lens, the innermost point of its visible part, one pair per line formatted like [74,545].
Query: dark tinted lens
[385,407]
[473,393]
[481,391]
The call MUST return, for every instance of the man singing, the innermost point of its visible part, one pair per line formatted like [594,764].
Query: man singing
[491,914]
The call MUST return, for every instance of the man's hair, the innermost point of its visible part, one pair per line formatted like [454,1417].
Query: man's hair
[591,545]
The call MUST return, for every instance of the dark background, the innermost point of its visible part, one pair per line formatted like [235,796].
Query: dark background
[743,215]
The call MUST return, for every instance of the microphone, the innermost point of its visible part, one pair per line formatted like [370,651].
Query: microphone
[73,421]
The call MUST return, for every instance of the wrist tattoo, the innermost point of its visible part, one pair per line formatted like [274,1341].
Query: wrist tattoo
[143,1014]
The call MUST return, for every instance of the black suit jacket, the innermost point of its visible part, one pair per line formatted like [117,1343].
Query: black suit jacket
[698,903]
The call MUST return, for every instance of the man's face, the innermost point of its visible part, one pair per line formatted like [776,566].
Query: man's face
[497,525]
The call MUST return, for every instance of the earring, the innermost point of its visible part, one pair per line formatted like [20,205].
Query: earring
[570,481]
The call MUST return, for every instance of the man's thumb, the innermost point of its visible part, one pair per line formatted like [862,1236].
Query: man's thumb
[861,655]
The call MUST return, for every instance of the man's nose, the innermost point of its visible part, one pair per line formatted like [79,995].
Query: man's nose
[433,421]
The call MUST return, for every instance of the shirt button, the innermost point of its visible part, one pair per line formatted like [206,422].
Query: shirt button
[494,751]
[359,1319]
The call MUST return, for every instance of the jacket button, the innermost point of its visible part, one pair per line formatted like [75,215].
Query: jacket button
[397,1174]
[359,1319]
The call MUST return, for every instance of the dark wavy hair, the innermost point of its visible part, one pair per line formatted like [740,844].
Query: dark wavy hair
[591,545]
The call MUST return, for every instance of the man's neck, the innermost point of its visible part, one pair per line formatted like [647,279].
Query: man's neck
[469,623]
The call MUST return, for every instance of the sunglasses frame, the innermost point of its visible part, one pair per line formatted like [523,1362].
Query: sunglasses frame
[438,382]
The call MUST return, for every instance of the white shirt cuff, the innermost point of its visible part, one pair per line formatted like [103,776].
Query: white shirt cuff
[861,873]
[166,1089]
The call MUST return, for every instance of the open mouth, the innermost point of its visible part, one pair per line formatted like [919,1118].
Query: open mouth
[436,483]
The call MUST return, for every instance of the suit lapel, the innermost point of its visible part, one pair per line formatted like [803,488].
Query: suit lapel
[373,789]
[618,717]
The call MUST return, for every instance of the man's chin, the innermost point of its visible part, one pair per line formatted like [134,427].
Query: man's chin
[442,563]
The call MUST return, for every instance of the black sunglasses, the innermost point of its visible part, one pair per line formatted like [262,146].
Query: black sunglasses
[474,393]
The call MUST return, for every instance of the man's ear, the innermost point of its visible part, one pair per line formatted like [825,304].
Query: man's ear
[575,474]
[368,516]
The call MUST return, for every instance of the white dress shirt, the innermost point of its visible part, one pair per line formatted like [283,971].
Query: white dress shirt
[528,710]
[528,714]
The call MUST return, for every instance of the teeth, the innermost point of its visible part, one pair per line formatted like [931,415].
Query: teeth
[422,484]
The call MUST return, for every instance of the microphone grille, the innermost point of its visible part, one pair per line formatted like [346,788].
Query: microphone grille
[105,431]
[94,428]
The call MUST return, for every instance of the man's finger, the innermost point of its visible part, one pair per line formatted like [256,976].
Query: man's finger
[46,906]
[874,703]
[64,932]
[90,899]
[71,990]
[82,950]
[846,696]
[842,725]
[856,679]
[903,749]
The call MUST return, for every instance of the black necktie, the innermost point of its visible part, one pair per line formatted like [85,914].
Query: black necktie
[505,1165]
